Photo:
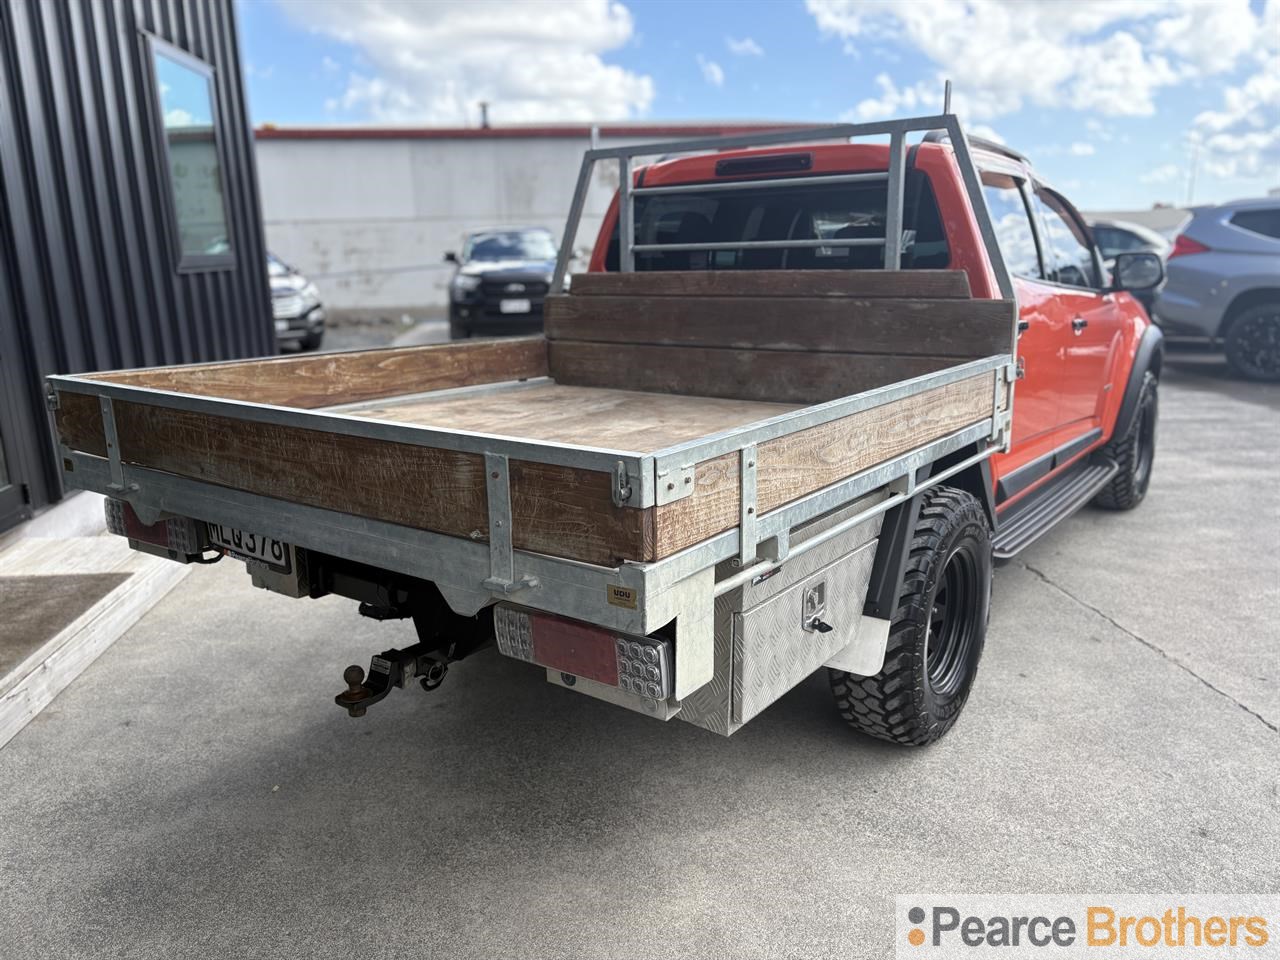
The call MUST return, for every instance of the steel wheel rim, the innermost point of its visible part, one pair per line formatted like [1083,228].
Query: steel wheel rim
[951,627]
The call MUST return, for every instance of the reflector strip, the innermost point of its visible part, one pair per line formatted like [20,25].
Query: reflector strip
[576,648]
[636,665]
[173,533]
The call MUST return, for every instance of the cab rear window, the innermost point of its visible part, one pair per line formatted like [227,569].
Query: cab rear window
[810,210]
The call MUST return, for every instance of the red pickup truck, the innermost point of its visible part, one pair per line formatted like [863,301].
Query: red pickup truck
[1089,357]
[786,425]
[1088,367]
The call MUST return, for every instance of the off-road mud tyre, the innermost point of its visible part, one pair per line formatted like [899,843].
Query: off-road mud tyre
[1134,453]
[938,630]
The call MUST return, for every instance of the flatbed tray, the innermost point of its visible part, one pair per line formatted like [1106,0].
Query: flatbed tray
[623,436]
[541,409]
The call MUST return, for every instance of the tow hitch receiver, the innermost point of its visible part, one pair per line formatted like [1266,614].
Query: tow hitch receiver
[389,669]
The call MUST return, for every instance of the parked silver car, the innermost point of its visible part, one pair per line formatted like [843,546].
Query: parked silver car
[295,306]
[1114,237]
[1224,284]
[1121,236]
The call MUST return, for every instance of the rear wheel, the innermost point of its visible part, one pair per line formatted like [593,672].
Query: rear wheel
[1134,453]
[938,631]
[1253,343]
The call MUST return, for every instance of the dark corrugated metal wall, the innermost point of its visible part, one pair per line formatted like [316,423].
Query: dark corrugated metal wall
[90,275]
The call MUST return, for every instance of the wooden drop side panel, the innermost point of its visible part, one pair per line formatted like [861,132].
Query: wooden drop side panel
[781,337]
[556,510]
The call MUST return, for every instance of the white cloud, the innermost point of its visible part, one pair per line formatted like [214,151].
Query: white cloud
[1105,56]
[746,47]
[380,98]
[1165,173]
[1081,149]
[329,65]
[921,98]
[712,72]
[532,60]
[893,101]
[1100,130]
[1252,154]
[1243,138]
[1211,35]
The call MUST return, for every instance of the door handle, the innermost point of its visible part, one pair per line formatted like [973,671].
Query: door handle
[1078,325]
[1023,326]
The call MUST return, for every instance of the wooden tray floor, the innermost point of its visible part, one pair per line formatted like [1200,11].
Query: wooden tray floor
[625,420]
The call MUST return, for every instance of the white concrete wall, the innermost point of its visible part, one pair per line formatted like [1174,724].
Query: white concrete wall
[369,220]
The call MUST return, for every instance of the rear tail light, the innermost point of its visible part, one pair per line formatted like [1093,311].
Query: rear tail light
[637,665]
[1184,245]
[180,534]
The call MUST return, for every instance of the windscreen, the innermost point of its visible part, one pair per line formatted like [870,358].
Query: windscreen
[510,245]
[810,210]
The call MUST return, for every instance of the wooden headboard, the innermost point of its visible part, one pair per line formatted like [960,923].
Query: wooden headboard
[786,336]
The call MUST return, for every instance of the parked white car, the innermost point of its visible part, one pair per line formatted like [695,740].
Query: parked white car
[295,306]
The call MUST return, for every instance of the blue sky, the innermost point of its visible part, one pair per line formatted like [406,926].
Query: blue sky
[1111,99]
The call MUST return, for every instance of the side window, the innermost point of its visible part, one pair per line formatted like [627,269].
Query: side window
[1012,224]
[1112,241]
[1065,244]
[1265,222]
[185,93]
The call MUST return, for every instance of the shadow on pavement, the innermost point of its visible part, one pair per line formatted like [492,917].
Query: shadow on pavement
[1199,369]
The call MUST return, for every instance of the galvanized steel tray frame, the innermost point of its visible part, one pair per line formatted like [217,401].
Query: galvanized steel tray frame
[471,574]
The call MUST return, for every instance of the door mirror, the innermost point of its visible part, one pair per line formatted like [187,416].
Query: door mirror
[1137,271]
[450,257]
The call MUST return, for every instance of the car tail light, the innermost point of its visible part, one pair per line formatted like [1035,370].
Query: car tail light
[637,665]
[180,534]
[1184,245]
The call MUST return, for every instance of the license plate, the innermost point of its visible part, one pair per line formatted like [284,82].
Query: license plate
[282,326]
[514,306]
[251,546]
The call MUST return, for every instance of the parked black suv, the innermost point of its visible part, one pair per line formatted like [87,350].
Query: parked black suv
[502,279]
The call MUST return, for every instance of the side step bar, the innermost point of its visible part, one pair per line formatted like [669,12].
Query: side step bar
[1046,508]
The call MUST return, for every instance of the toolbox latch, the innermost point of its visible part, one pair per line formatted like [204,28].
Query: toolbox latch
[813,607]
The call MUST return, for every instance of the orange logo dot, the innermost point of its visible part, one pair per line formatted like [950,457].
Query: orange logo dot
[915,937]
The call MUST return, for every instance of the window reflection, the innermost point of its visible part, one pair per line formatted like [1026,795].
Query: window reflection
[1072,255]
[1012,225]
[186,106]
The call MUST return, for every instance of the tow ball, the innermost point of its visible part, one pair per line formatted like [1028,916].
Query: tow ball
[387,670]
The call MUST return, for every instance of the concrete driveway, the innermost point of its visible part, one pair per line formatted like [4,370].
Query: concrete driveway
[197,794]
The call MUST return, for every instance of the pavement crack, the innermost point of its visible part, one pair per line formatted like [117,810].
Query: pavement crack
[1147,643]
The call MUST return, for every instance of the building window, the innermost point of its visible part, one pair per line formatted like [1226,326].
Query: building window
[188,117]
